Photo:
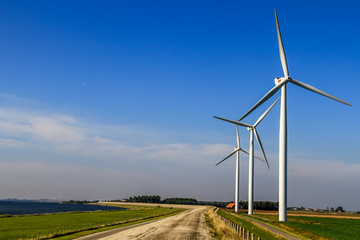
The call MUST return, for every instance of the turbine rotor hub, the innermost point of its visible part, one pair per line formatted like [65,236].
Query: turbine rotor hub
[281,80]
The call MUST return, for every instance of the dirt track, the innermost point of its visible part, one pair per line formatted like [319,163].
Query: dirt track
[186,225]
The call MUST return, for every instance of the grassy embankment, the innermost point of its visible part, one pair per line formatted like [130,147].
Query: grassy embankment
[307,227]
[257,230]
[76,224]
[218,229]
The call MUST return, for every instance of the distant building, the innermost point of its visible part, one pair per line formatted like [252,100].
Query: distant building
[230,205]
[124,200]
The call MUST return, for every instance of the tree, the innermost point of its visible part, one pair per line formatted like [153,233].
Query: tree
[340,209]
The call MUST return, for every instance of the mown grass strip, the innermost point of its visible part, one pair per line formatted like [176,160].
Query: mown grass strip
[47,226]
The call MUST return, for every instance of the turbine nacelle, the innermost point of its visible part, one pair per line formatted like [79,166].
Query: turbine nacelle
[281,80]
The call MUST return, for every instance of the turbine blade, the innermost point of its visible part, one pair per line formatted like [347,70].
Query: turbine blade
[313,89]
[232,153]
[281,48]
[237,136]
[244,151]
[268,95]
[235,122]
[265,113]
[258,158]
[261,147]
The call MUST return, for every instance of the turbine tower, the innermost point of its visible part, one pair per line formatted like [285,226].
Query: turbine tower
[237,174]
[281,83]
[252,129]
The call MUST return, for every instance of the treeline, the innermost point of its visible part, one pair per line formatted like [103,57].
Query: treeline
[187,201]
[157,199]
[146,199]
[261,205]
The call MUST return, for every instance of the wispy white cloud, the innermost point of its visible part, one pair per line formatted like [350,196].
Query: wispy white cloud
[69,135]
[11,143]
[55,129]
[33,128]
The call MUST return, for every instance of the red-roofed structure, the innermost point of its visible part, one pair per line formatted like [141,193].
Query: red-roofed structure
[230,205]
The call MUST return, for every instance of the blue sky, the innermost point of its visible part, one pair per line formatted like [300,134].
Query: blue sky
[109,99]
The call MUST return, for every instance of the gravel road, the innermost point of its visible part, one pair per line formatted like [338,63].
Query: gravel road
[186,225]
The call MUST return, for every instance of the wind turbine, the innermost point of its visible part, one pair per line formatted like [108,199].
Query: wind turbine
[281,83]
[252,129]
[237,151]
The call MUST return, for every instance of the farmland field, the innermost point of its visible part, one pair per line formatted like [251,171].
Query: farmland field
[313,226]
[76,224]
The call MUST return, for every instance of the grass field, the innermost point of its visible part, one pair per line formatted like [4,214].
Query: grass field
[314,226]
[75,224]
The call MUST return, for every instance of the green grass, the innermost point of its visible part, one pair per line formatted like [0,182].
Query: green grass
[316,227]
[79,223]
[259,232]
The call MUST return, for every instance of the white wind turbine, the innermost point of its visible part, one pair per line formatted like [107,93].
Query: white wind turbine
[281,83]
[252,129]
[237,175]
